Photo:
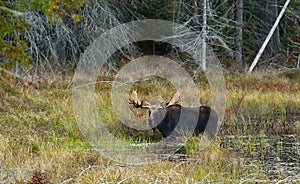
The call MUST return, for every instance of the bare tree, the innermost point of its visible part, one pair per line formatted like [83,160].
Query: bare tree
[204,27]
[178,12]
[239,34]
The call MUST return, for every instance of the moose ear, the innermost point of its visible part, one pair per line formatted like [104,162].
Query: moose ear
[163,105]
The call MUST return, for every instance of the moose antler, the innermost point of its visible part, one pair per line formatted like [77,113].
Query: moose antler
[174,99]
[136,102]
[144,104]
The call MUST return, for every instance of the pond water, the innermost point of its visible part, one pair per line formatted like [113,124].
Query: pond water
[278,155]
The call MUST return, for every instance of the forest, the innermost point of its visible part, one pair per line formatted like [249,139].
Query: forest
[83,85]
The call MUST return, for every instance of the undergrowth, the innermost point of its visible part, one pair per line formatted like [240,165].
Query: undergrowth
[40,140]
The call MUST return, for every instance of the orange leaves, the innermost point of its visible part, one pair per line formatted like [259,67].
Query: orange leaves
[19,25]
[102,78]
[76,17]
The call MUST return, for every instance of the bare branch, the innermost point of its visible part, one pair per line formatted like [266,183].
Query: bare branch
[19,78]
[223,44]
[14,12]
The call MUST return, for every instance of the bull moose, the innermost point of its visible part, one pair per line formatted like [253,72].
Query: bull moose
[166,116]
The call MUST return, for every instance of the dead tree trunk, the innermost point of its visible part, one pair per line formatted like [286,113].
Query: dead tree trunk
[204,35]
[176,21]
[239,35]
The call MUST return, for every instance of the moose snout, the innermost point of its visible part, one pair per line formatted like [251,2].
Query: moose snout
[151,123]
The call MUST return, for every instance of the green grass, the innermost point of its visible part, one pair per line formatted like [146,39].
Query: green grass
[39,138]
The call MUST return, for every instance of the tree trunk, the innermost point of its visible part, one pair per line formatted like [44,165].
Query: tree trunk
[267,14]
[239,34]
[204,35]
[176,21]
